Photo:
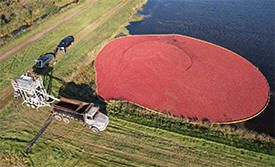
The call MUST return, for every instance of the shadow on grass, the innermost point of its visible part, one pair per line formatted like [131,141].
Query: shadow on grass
[82,92]
[13,139]
[71,90]
[263,123]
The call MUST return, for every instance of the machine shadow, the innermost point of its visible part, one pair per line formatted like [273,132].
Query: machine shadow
[46,74]
[263,123]
[83,92]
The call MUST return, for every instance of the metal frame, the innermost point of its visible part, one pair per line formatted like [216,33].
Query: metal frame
[31,89]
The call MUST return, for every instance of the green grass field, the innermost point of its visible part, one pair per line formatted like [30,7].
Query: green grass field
[15,14]
[124,143]
[43,24]
[23,60]
[134,136]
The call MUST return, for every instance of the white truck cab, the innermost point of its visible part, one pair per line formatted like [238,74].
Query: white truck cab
[96,120]
[69,109]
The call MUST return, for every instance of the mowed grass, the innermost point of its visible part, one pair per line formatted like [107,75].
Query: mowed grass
[23,60]
[42,25]
[123,143]
[130,139]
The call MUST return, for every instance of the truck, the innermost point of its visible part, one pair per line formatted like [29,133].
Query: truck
[64,43]
[30,87]
[44,60]
[69,109]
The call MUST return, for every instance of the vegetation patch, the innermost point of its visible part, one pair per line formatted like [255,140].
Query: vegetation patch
[231,137]
[126,141]
[15,14]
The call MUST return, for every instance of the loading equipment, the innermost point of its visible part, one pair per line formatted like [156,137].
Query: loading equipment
[30,88]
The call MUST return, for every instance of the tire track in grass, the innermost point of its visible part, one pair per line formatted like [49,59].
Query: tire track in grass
[61,133]
[75,131]
[100,147]
[43,32]
[96,154]
[226,155]
[109,149]
[137,157]
[95,24]
[79,36]
[185,154]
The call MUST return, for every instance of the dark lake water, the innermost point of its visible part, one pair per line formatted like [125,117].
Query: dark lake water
[244,26]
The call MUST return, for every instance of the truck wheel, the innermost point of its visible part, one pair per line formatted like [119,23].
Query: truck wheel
[95,130]
[58,117]
[66,120]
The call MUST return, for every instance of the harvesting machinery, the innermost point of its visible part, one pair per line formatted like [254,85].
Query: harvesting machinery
[30,88]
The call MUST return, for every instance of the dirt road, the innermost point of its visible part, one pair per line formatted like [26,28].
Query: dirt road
[43,32]
[79,36]
[91,27]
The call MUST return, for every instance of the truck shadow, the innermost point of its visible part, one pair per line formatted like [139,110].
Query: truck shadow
[82,92]
[263,123]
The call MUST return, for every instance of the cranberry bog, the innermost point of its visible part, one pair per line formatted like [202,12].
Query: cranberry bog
[155,141]
[183,76]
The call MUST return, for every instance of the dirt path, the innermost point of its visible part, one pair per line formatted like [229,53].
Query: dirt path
[79,36]
[43,32]
[95,24]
